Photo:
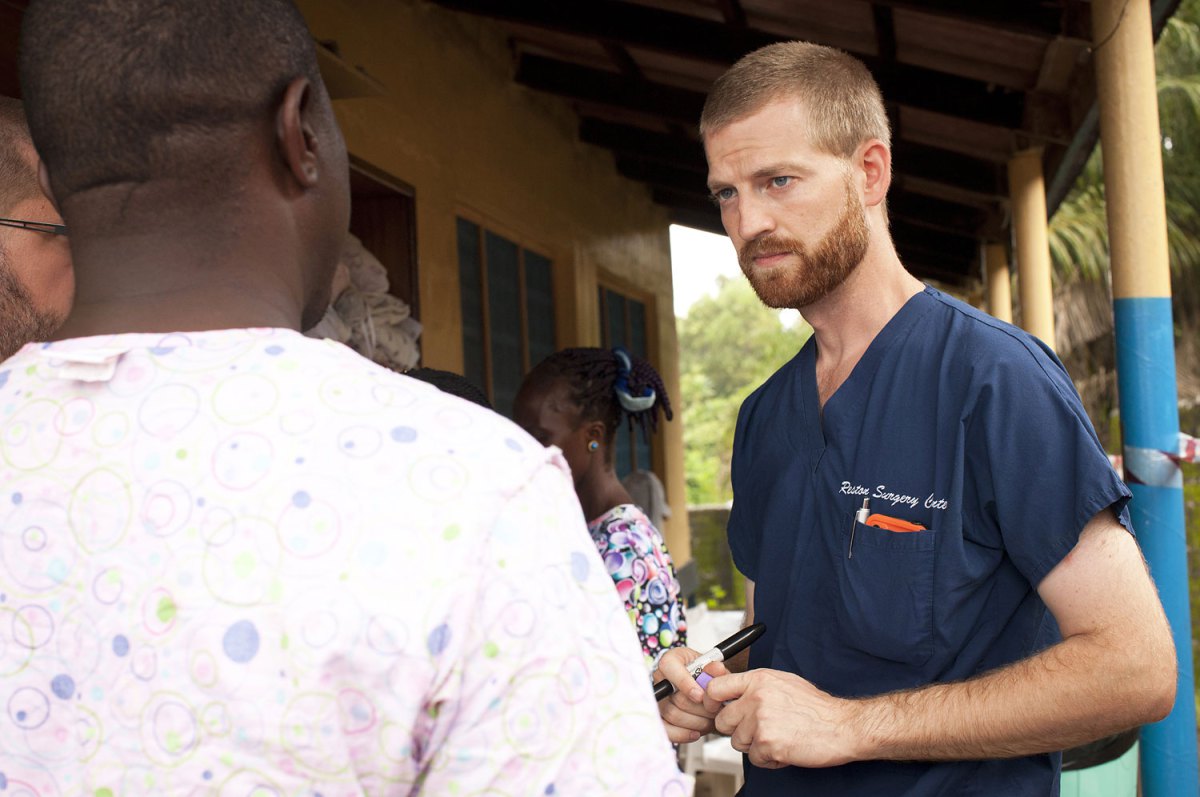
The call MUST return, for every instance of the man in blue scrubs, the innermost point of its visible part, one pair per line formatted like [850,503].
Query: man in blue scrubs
[1004,610]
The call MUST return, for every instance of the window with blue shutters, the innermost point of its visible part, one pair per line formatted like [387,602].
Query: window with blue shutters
[507,300]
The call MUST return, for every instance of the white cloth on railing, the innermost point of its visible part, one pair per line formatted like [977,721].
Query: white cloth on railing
[366,317]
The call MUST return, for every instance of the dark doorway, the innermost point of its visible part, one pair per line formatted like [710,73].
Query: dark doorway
[383,216]
[10,26]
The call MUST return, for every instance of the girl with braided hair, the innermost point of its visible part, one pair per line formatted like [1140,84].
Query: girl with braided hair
[577,399]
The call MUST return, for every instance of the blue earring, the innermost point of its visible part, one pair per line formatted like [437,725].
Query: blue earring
[593,446]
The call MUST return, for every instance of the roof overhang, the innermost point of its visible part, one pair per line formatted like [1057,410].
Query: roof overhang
[966,84]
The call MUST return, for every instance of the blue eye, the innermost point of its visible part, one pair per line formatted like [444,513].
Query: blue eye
[780,182]
[723,195]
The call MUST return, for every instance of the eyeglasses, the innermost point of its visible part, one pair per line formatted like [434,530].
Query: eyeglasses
[37,226]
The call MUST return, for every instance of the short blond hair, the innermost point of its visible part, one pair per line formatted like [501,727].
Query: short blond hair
[843,101]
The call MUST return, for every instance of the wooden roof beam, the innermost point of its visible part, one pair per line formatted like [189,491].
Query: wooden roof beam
[637,141]
[977,175]
[957,246]
[633,25]
[684,200]
[949,258]
[939,215]
[1043,20]
[659,174]
[670,31]
[928,265]
[622,60]
[942,94]
[916,160]
[608,88]
[943,215]
[732,11]
[885,32]
[627,23]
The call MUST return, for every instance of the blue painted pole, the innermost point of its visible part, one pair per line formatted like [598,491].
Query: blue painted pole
[1150,419]
[1137,224]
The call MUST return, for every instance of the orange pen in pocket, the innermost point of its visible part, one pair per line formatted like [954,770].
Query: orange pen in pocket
[893,523]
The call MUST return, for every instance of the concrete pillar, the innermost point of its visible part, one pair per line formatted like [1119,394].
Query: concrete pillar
[999,282]
[1028,189]
[1137,234]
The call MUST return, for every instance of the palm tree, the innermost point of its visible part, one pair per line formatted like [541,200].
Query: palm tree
[1079,230]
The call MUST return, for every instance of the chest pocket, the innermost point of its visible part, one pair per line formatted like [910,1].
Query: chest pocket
[886,606]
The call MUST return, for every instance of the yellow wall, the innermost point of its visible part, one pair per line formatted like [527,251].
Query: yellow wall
[471,142]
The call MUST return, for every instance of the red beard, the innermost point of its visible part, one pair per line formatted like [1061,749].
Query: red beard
[814,276]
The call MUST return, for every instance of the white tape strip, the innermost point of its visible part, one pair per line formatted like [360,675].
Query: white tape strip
[1152,468]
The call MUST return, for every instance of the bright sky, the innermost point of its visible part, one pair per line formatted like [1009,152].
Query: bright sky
[697,259]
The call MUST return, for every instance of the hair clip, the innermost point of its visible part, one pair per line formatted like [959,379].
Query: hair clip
[627,400]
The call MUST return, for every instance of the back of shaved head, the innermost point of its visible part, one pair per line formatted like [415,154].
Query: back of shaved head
[18,175]
[129,91]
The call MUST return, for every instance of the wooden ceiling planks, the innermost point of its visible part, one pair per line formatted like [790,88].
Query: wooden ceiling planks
[967,84]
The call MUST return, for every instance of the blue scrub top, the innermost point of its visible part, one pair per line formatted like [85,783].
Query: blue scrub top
[953,420]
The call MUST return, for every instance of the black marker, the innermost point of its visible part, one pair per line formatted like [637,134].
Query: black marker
[724,650]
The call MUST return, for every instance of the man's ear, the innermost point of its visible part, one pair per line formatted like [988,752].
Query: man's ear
[44,182]
[294,132]
[875,159]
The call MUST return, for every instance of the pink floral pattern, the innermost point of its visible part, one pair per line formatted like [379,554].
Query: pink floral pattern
[223,570]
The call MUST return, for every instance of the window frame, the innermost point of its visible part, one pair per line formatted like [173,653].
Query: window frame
[523,244]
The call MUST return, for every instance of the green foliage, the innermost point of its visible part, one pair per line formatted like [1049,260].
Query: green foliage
[1191,508]
[1079,229]
[728,345]
[1189,419]
[721,585]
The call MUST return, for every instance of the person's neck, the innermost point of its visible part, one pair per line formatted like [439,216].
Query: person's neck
[600,493]
[847,320]
[180,271]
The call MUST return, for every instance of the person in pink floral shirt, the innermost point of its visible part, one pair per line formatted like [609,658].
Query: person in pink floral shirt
[576,399]
[235,560]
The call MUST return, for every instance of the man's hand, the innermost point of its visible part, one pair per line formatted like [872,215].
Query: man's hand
[688,713]
[780,719]
[1115,668]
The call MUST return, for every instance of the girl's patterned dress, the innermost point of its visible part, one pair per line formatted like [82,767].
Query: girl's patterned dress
[636,557]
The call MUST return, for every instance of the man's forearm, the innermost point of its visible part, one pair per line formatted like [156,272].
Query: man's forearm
[1068,694]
